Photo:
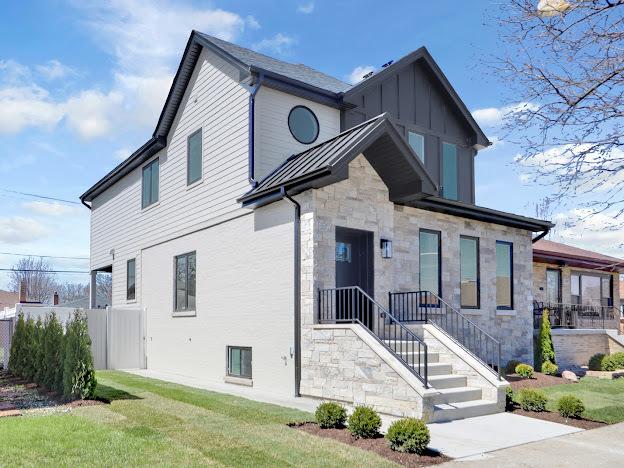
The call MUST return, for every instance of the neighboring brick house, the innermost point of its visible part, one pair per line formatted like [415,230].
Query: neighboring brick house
[288,231]
[8,299]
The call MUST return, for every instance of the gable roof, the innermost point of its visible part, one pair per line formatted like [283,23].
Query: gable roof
[326,163]
[556,252]
[422,54]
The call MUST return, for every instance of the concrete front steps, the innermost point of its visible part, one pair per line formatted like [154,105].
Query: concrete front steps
[451,396]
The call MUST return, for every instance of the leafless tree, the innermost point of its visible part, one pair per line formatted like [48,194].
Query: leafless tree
[562,63]
[38,277]
[69,292]
[104,286]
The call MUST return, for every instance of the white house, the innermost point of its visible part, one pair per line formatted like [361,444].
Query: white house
[279,223]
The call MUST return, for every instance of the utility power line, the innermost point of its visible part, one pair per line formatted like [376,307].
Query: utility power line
[45,271]
[44,197]
[44,256]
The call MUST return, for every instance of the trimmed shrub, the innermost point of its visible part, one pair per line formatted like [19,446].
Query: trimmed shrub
[78,373]
[29,348]
[408,435]
[510,368]
[39,353]
[364,422]
[613,362]
[570,406]
[532,400]
[509,403]
[595,362]
[52,350]
[330,415]
[524,370]
[549,368]
[16,356]
[546,352]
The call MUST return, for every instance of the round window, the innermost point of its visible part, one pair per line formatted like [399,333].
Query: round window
[303,124]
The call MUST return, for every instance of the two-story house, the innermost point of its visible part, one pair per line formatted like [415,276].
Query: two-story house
[288,231]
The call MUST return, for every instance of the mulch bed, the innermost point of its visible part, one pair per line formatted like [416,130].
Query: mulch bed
[539,380]
[379,445]
[557,418]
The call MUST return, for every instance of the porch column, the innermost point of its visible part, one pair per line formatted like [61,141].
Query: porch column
[93,290]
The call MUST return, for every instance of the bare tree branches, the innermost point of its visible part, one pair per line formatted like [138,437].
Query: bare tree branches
[566,59]
[38,277]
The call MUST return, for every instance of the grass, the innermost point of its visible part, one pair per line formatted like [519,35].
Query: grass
[151,422]
[603,399]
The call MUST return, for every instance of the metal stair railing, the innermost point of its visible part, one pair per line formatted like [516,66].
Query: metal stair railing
[427,307]
[353,305]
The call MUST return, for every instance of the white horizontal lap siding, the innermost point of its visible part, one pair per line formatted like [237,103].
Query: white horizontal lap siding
[244,284]
[218,104]
[273,140]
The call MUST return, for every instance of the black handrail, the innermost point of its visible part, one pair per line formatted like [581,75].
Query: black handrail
[353,305]
[427,307]
[576,315]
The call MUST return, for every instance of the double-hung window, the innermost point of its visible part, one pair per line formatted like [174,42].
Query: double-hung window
[430,263]
[239,362]
[131,280]
[150,184]
[417,142]
[504,275]
[469,272]
[185,282]
[194,158]
[449,171]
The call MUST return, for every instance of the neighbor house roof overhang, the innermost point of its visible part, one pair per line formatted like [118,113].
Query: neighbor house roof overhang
[546,251]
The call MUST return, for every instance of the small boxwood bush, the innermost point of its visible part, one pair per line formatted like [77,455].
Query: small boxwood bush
[570,406]
[524,370]
[364,422]
[509,403]
[613,362]
[549,368]
[330,415]
[532,400]
[595,362]
[408,435]
[510,368]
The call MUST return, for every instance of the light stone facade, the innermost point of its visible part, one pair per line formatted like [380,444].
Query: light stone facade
[362,202]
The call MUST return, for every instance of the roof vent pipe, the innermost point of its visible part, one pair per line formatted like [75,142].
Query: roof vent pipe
[252,102]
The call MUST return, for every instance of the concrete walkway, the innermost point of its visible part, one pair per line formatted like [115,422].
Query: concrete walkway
[595,448]
[456,439]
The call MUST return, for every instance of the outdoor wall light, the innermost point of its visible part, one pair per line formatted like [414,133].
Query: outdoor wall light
[386,248]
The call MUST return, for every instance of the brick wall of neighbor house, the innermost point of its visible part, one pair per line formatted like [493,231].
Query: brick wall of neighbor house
[361,202]
[574,348]
[539,281]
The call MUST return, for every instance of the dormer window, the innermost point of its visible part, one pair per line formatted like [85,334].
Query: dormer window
[303,125]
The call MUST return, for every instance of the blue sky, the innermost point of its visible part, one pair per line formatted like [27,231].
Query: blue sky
[82,84]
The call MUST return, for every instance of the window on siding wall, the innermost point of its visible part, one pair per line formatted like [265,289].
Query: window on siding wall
[239,362]
[150,183]
[417,142]
[194,158]
[185,282]
[131,280]
[504,275]
[429,262]
[449,171]
[469,272]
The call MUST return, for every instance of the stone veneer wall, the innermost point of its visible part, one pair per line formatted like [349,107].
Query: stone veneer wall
[361,202]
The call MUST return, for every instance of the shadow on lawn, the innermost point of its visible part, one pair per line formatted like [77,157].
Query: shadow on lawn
[109,394]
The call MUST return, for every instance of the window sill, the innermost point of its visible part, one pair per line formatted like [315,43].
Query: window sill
[506,312]
[197,183]
[184,313]
[238,380]
[471,311]
[149,207]
[131,301]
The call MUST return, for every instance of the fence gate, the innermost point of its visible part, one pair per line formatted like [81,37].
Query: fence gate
[6,331]
[125,343]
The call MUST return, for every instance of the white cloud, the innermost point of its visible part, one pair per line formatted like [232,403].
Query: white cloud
[13,72]
[92,113]
[251,22]
[20,230]
[54,69]
[50,208]
[122,153]
[279,44]
[27,106]
[358,73]
[494,116]
[306,8]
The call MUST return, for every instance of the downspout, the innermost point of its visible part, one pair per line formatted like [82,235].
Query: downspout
[252,105]
[297,289]
[542,235]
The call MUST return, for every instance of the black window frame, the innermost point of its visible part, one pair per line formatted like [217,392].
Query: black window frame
[228,371]
[560,284]
[318,125]
[188,157]
[580,275]
[149,166]
[175,282]
[511,276]
[128,296]
[439,235]
[478,240]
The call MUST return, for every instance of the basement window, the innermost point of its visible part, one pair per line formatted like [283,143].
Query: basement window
[239,362]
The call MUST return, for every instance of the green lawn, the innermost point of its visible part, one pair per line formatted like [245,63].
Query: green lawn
[151,422]
[603,399]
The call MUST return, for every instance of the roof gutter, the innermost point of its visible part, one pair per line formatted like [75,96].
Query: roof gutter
[543,234]
[252,125]
[85,203]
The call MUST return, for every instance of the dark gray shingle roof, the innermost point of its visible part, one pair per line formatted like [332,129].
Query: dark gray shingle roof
[294,71]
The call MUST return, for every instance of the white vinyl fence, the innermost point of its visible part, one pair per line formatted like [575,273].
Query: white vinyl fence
[117,335]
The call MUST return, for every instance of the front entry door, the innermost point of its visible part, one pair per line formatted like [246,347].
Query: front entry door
[354,267]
